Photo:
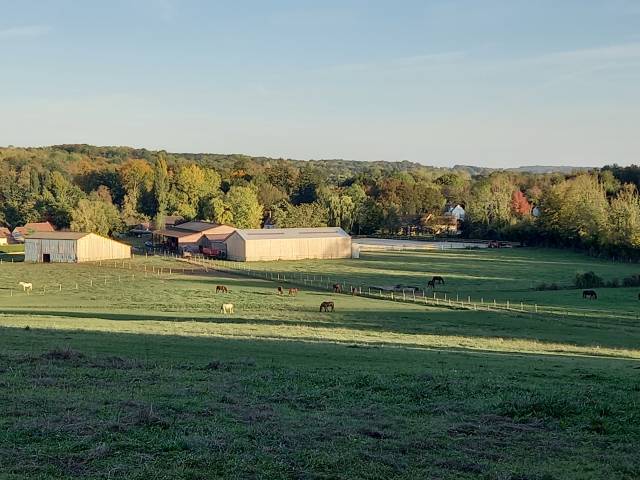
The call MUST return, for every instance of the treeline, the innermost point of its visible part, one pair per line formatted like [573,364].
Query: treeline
[108,189]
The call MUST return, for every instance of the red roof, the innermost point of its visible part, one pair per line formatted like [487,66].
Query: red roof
[34,227]
[5,232]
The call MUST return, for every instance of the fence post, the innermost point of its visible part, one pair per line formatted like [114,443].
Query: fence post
[59,287]
[536,307]
[91,282]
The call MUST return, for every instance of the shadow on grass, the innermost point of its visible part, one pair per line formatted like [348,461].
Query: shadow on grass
[439,325]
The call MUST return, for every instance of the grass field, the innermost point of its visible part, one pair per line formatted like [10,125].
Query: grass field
[488,274]
[142,377]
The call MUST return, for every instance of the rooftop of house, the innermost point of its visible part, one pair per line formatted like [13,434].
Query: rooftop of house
[34,227]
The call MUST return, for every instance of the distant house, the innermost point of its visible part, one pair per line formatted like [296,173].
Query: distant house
[173,220]
[192,236]
[5,235]
[72,247]
[457,212]
[20,233]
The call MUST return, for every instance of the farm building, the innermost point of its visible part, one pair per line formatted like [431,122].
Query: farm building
[72,247]
[288,244]
[5,235]
[192,236]
[20,233]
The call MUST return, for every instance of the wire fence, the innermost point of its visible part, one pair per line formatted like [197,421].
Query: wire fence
[126,270]
[325,282]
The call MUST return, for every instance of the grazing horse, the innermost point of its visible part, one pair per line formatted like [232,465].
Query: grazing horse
[293,291]
[226,308]
[337,288]
[221,288]
[26,286]
[438,279]
[326,307]
[354,291]
[280,292]
[590,294]
[431,283]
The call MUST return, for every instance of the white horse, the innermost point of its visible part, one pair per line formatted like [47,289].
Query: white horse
[226,308]
[26,286]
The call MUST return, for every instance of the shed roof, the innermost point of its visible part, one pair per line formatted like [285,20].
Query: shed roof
[5,232]
[173,233]
[217,237]
[57,236]
[196,226]
[291,233]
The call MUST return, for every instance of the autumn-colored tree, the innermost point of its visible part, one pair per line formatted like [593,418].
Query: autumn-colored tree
[520,206]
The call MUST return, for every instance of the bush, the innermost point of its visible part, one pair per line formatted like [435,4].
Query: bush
[615,283]
[588,280]
[632,281]
[550,286]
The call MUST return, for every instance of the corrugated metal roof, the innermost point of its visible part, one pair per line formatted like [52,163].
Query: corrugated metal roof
[287,233]
[57,235]
[196,226]
[173,233]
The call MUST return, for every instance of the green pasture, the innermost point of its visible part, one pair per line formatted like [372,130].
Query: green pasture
[119,371]
[482,274]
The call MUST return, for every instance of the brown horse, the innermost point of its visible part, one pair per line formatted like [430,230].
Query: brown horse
[293,291]
[590,294]
[354,291]
[326,307]
[438,279]
[337,288]
[221,288]
[280,292]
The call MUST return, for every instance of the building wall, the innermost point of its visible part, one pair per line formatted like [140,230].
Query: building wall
[94,247]
[59,250]
[86,249]
[287,248]
[235,248]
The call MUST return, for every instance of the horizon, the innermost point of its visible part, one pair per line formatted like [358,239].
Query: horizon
[496,85]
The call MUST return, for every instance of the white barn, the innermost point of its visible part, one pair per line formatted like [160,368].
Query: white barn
[72,247]
[288,244]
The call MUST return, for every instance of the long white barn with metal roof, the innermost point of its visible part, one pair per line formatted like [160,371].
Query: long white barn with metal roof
[288,244]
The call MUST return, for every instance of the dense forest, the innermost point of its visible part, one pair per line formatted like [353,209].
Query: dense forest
[108,189]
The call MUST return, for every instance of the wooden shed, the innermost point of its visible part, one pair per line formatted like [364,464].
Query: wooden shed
[288,244]
[72,247]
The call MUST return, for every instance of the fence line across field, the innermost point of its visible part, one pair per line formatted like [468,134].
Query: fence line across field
[325,282]
[200,264]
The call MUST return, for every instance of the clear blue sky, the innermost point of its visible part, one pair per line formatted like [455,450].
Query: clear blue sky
[493,83]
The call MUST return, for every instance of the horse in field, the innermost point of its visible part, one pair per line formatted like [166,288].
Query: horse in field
[431,284]
[590,294]
[26,287]
[226,308]
[280,292]
[337,288]
[438,279]
[293,291]
[327,307]
[221,288]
